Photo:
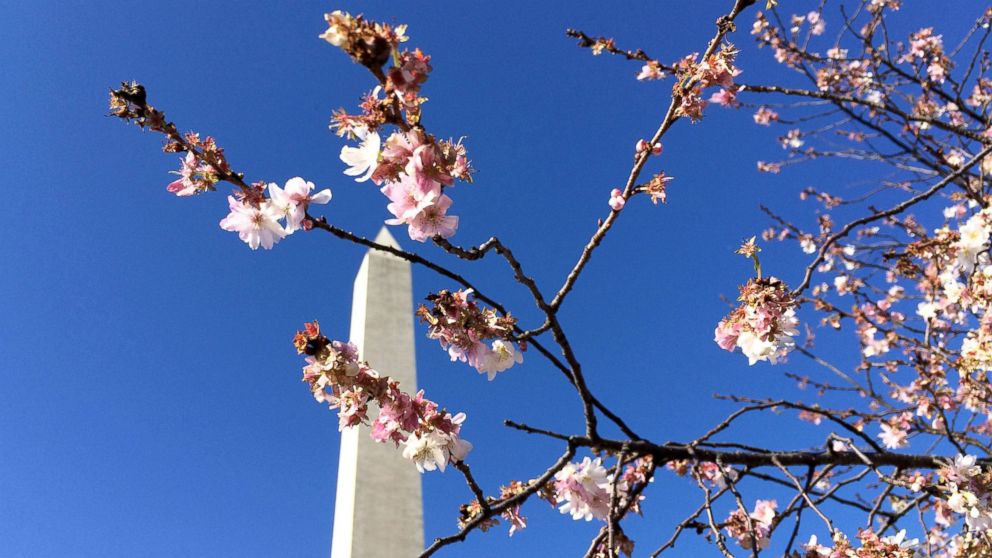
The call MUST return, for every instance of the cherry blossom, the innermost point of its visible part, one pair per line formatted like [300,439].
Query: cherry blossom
[764,325]
[583,489]
[364,159]
[499,358]
[292,201]
[256,226]
[430,438]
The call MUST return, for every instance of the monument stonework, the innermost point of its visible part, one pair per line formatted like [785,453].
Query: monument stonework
[378,508]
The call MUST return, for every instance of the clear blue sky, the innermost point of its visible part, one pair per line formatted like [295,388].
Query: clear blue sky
[150,398]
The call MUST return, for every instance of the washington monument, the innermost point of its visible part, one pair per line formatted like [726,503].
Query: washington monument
[378,511]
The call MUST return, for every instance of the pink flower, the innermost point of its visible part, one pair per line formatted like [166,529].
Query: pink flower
[617,200]
[501,357]
[254,225]
[433,221]
[726,97]
[584,489]
[650,71]
[894,434]
[190,177]
[765,116]
[726,334]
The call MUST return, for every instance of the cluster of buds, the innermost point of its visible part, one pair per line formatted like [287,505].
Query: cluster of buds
[643,146]
[462,327]
[764,324]
[752,530]
[339,379]
[367,42]
[706,471]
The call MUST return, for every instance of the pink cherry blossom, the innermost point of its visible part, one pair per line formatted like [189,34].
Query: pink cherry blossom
[192,177]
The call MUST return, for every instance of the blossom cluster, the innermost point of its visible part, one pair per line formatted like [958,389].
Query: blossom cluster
[754,528]
[463,327]
[413,169]
[337,377]
[717,70]
[969,493]
[872,546]
[929,48]
[583,489]
[256,218]
[764,324]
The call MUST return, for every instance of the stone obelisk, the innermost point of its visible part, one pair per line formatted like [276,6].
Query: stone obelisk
[378,511]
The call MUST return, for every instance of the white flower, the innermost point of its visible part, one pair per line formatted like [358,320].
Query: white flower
[364,158]
[292,201]
[427,451]
[899,539]
[840,283]
[952,287]
[254,225]
[756,348]
[965,466]
[974,240]
[434,450]
[337,30]
[927,310]
[502,356]
[764,511]
[813,546]
[584,488]
[892,436]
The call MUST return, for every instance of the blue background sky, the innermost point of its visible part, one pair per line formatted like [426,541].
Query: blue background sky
[150,398]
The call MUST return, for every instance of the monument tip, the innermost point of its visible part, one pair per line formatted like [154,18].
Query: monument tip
[386,238]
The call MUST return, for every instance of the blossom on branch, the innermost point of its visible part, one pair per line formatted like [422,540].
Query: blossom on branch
[764,325]
[463,327]
[257,225]
[431,438]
